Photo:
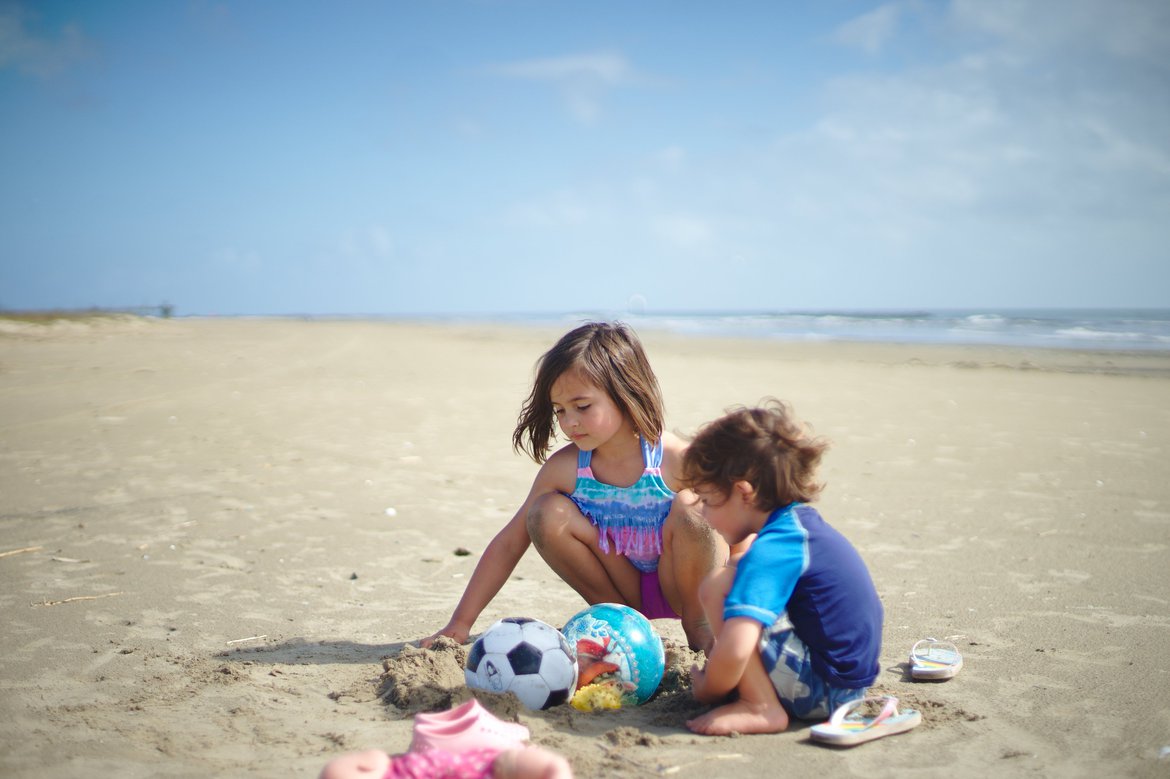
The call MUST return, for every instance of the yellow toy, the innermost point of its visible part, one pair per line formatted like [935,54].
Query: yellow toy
[596,697]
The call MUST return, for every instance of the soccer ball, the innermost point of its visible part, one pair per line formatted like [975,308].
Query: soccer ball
[525,657]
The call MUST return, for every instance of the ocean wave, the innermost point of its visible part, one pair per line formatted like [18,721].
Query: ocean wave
[1074,329]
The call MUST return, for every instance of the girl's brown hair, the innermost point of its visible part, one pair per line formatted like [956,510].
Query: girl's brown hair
[609,356]
[764,446]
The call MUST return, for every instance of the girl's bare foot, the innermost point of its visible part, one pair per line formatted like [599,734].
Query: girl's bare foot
[740,717]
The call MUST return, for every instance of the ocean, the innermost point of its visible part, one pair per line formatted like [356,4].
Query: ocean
[1093,329]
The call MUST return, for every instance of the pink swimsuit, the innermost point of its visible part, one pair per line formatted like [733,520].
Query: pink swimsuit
[441,764]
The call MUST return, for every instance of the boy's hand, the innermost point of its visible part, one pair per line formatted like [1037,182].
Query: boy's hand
[455,632]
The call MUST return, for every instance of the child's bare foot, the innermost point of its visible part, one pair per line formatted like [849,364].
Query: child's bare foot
[740,717]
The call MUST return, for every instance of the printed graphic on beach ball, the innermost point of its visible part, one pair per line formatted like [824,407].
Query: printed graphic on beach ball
[615,641]
[525,657]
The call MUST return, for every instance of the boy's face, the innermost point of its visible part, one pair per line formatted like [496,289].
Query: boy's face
[731,514]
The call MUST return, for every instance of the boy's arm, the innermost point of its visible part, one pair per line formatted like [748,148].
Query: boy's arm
[738,639]
[504,551]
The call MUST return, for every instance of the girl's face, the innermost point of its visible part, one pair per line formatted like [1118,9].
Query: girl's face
[585,413]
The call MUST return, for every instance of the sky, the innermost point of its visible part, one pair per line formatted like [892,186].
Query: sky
[463,157]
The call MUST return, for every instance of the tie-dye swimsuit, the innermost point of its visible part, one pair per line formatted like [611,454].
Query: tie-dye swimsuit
[629,519]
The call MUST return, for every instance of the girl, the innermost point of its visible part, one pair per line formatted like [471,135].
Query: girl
[604,511]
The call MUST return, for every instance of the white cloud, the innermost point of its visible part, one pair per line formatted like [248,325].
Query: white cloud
[379,241]
[672,158]
[374,241]
[582,79]
[1135,29]
[468,128]
[682,231]
[604,67]
[562,209]
[1039,120]
[1010,172]
[35,55]
[870,32]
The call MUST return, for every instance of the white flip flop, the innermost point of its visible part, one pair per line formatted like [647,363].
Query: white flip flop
[936,660]
[847,728]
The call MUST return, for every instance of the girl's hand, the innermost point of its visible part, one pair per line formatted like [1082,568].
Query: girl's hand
[455,632]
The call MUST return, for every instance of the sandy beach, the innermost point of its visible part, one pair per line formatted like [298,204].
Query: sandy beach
[219,539]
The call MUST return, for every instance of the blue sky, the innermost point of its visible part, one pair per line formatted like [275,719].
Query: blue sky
[492,156]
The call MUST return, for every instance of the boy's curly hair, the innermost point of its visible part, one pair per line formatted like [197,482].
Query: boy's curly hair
[764,446]
[607,355]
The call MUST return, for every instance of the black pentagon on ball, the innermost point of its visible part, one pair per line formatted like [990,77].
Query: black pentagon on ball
[474,656]
[524,658]
[556,698]
[518,620]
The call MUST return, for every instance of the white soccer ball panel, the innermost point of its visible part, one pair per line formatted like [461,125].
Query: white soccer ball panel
[559,670]
[494,673]
[532,690]
[542,636]
[502,636]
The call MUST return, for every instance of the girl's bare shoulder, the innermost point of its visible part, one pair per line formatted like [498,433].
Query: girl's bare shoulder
[559,472]
[673,446]
[673,449]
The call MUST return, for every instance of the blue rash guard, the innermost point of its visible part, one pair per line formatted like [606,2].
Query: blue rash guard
[802,568]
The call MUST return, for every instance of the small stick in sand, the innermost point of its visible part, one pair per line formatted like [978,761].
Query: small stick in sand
[249,638]
[76,598]
[21,551]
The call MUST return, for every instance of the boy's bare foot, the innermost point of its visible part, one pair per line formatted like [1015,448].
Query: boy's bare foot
[740,717]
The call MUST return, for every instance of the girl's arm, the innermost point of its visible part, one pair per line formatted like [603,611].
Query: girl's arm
[505,550]
[737,640]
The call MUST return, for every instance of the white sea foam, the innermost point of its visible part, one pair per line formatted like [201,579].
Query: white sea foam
[1081,329]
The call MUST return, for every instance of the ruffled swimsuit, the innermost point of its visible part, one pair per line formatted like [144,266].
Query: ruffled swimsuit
[629,520]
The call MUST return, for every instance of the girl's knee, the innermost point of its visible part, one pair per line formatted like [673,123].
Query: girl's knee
[687,536]
[684,521]
[548,514]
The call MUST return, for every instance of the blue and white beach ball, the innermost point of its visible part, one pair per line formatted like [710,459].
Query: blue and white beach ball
[613,640]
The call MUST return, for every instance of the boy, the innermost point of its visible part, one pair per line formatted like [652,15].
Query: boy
[797,621]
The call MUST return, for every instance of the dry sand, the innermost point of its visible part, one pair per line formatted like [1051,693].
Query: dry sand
[220,538]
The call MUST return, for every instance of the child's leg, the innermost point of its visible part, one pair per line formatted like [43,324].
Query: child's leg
[531,762]
[567,541]
[691,551]
[757,709]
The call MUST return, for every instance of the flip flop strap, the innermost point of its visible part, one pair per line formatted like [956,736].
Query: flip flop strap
[888,710]
[927,656]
